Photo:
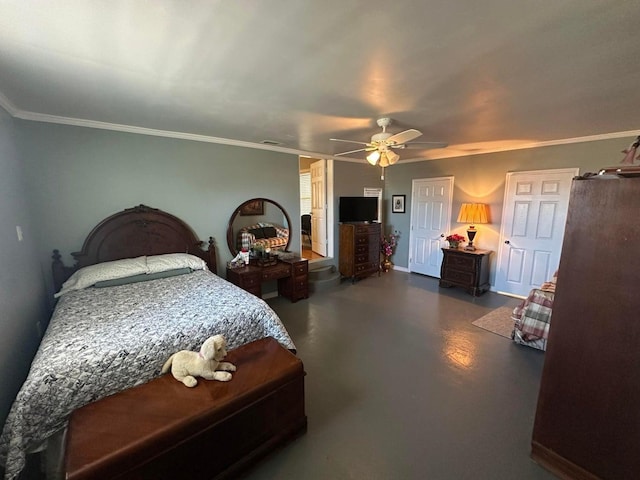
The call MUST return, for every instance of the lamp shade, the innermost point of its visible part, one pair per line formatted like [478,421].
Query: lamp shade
[473,213]
[373,157]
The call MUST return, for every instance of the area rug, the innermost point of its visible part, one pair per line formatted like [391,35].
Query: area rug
[497,321]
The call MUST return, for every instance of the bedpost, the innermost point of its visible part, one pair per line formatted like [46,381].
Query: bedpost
[58,270]
[213,265]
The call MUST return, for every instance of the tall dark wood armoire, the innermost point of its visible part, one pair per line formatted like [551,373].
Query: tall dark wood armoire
[587,422]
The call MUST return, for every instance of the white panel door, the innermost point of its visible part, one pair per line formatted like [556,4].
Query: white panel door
[318,208]
[430,221]
[532,230]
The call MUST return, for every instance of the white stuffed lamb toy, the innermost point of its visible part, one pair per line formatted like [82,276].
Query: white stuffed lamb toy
[207,363]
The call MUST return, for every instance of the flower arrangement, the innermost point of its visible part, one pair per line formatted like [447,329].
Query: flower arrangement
[455,238]
[389,243]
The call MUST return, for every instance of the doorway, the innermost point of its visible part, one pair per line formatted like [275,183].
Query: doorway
[316,213]
[431,200]
[532,228]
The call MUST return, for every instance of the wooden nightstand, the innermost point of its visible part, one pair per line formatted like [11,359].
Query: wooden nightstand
[467,269]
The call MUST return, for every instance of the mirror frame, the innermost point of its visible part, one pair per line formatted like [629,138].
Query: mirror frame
[230,237]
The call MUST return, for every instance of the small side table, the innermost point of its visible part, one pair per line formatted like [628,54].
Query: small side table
[467,269]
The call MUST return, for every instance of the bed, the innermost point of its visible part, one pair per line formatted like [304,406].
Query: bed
[118,332]
[532,317]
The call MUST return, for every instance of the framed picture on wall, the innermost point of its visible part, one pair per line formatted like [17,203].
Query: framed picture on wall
[397,203]
[253,208]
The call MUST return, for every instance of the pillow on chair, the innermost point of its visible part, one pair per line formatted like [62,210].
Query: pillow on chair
[258,233]
[269,232]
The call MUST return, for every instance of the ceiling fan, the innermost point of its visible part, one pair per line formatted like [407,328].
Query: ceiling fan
[383,144]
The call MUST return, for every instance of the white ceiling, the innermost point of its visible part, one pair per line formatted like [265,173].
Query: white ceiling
[480,75]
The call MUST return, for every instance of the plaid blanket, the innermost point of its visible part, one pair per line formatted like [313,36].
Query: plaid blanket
[246,239]
[532,319]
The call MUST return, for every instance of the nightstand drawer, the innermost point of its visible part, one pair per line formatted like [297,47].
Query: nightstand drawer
[459,276]
[462,262]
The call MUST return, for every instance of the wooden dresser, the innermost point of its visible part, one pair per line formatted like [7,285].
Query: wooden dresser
[292,275]
[359,249]
[467,269]
[587,422]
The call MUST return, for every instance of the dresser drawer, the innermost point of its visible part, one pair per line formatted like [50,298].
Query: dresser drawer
[361,249]
[300,283]
[361,240]
[459,276]
[364,229]
[248,281]
[463,262]
[363,267]
[361,258]
[300,268]
[276,272]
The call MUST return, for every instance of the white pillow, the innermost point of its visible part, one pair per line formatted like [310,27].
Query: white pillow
[87,276]
[172,261]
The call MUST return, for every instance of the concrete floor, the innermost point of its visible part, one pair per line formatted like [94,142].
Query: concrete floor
[401,385]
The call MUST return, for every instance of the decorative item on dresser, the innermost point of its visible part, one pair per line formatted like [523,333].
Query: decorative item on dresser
[587,424]
[465,269]
[359,249]
[292,274]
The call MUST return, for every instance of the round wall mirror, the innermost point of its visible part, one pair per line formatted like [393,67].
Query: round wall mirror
[259,220]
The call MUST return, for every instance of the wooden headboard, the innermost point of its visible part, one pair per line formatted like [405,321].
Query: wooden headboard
[132,233]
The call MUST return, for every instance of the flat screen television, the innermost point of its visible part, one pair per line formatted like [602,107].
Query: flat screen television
[358,209]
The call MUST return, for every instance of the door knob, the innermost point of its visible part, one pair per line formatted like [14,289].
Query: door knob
[507,242]
[442,235]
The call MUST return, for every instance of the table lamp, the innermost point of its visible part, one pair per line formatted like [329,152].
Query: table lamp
[472,213]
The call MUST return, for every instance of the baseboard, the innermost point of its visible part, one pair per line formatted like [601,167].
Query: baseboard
[400,269]
[558,465]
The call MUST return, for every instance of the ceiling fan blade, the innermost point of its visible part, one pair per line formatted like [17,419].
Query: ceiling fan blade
[404,137]
[351,151]
[347,141]
[421,145]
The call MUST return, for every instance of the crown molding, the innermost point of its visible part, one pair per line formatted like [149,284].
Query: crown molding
[80,122]
[8,106]
[524,146]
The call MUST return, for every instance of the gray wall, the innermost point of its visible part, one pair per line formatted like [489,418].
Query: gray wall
[78,176]
[22,291]
[481,179]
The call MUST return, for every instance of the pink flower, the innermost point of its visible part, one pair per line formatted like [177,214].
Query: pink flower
[388,243]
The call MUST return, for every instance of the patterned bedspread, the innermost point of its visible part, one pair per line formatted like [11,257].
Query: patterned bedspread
[104,340]
[532,319]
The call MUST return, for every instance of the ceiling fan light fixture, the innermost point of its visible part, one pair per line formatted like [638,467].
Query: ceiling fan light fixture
[373,157]
[384,160]
[392,157]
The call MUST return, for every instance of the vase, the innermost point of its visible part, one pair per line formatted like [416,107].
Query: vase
[386,264]
[454,244]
